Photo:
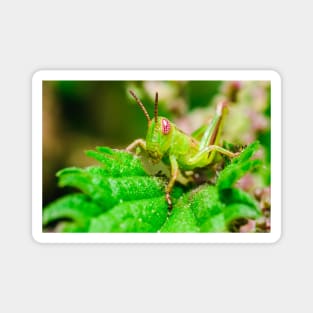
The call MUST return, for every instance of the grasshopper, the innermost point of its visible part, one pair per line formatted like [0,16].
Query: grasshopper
[165,142]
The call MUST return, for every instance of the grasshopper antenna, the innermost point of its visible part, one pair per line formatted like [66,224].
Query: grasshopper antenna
[141,105]
[156,107]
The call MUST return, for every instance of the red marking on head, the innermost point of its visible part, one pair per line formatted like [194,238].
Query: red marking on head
[166,126]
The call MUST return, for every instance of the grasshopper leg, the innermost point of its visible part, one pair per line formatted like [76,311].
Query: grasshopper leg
[222,151]
[137,143]
[206,155]
[174,174]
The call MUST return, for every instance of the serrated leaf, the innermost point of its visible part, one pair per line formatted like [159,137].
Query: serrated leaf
[82,180]
[123,198]
[206,203]
[108,191]
[75,207]
[117,163]
[239,210]
[236,195]
[233,172]
[72,227]
[132,216]
[247,153]
[214,224]
[238,167]
[182,219]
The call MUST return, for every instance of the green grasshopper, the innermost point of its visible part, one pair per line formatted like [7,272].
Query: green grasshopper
[165,142]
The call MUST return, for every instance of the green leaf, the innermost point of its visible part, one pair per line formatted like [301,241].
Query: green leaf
[208,209]
[239,166]
[120,197]
[206,203]
[132,216]
[239,210]
[233,172]
[75,207]
[108,191]
[182,219]
[235,195]
[247,153]
[117,163]
[214,224]
[72,227]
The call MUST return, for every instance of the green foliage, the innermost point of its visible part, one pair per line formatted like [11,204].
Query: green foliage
[109,191]
[117,163]
[239,167]
[77,208]
[119,196]
[182,219]
[146,215]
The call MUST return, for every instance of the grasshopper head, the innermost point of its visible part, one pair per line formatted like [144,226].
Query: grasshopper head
[159,138]
[160,131]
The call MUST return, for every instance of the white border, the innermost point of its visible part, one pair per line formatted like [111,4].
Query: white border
[276,149]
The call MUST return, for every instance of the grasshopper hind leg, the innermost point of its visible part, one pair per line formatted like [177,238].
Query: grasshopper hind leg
[206,156]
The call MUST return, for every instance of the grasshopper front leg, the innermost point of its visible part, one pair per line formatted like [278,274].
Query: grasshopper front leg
[174,174]
[137,143]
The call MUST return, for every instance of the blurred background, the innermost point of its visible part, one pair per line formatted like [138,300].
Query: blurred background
[80,115]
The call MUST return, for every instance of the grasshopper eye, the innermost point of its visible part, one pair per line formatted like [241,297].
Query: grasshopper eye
[166,126]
